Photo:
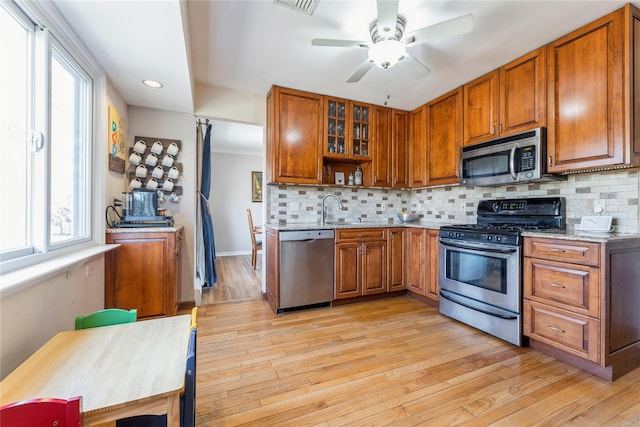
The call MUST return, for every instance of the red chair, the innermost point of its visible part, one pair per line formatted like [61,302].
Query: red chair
[42,413]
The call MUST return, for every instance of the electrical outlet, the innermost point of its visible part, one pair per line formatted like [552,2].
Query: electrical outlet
[383,206]
[599,206]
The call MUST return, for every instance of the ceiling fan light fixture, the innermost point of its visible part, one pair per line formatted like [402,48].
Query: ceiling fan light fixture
[386,53]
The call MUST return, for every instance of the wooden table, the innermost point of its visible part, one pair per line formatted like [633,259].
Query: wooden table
[120,370]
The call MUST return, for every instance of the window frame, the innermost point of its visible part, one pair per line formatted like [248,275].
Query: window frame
[46,17]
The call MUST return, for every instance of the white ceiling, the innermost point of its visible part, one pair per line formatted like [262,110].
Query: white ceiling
[251,45]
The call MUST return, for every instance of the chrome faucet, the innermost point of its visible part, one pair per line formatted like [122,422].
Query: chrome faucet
[324,207]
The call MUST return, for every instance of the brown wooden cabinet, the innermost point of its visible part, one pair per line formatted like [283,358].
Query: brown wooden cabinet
[396,249]
[360,262]
[580,302]
[390,155]
[294,135]
[144,272]
[433,283]
[444,138]
[347,130]
[418,148]
[416,264]
[592,122]
[509,100]
[383,147]
[272,268]
[422,262]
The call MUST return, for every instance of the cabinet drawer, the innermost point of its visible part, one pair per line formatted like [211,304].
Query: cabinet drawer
[568,286]
[573,333]
[361,234]
[563,250]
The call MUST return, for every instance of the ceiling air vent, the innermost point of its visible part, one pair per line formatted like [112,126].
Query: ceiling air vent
[303,6]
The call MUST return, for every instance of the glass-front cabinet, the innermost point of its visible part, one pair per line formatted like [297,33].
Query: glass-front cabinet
[347,130]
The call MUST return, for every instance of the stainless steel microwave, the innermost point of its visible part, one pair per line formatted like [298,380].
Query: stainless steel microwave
[512,159]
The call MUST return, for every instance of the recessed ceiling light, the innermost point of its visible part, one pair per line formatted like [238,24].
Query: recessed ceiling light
[152,83]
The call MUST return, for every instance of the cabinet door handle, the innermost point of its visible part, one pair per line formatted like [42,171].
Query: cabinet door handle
[493,129]
[500,128]
[555,285]
[550,160]
[553,328]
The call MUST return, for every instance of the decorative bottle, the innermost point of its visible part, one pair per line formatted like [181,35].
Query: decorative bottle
[358,176]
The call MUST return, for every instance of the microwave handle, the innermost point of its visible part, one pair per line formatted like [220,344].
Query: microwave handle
[512,163]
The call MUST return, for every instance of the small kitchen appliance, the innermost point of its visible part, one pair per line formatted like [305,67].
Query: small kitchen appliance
[140,209]
[481,264]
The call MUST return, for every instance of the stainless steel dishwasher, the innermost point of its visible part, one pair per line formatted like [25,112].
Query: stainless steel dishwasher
[306,268]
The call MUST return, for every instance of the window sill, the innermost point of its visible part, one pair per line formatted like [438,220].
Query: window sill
[22,278]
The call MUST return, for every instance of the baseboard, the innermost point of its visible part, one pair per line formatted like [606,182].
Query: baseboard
[232,253]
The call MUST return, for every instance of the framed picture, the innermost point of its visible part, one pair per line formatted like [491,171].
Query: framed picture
[339,178]
[256,186]
[117,139]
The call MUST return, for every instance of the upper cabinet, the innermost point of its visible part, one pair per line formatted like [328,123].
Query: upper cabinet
[444,137]
[509,100]
[347,130]
[418,148]
[594,77]
[390,147]
[294,132]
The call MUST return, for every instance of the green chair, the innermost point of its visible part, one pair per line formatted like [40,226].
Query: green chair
[109,316]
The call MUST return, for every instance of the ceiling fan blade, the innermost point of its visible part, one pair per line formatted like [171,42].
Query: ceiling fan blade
[387,16]
[339,43]
[361,71]
[460,25]
[423,70]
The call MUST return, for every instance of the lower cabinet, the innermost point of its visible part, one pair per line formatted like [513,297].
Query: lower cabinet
[581,302]
[360,262]
[396,251]
[422,262]
[144,272]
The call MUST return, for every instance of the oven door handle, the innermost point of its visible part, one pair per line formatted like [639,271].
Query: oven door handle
[481,247]
[451,297]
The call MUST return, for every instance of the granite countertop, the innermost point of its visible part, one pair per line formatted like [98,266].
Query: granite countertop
[551,234]
[343,225]
[176,227]
[581,235]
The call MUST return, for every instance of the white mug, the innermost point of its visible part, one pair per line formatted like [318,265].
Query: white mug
[140,147]
[167,160]
[153,183]
[158,172]
[168,185]
[174,198]
[157,147]
[173,173]
[135,158]
[173,149]
[151,159]
[135,183]
[141,171]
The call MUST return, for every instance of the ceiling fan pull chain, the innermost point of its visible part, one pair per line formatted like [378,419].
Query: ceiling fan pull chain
[387,79]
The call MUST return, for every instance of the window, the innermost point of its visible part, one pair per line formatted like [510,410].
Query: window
[46,125]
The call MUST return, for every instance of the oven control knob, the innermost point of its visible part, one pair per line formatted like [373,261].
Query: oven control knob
[451,234]
[495,206]
[498,238]
[457,234]
[489,237]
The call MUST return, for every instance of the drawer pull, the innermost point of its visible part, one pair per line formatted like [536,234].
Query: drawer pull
[557,250]
[553,328]
[555,285]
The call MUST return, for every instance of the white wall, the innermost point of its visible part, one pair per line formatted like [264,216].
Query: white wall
[230,198]
[114,181]
[180,126]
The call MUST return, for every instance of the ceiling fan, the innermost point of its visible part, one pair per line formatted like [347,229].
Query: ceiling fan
[388,42]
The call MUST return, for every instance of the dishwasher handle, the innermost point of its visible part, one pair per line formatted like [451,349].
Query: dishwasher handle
[306,235]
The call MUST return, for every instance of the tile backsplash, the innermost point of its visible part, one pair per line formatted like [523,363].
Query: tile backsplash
[457,204]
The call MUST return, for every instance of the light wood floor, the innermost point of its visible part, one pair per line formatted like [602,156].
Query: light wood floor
[237,280]
[394,362]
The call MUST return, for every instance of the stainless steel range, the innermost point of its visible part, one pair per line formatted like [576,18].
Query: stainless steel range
[480,264]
